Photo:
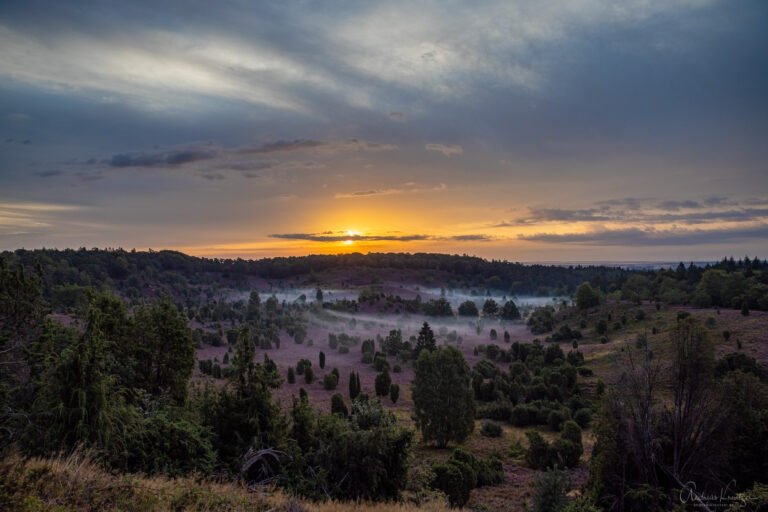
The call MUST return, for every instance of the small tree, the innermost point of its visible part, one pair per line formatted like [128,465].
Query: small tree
[338,406]
[425,340]
[383,382]
[468,308]
[394,392]
[549,491]
[510,311]
[745,308]
[322,359]
[490,308]
[443,397]
[330,380]
[586,297]
[291,375]
[309,375]
[354,386]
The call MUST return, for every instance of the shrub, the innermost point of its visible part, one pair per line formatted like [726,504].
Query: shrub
[583,417]
[523,415]
[555,420]
[396,369]
[382,383]
[309,375]
[549,492]
[500,411]
[601,327]
[453,479]
[338,406]
[367,358]
[539,454]
[343,350]
[330,381]
[491,429]
[380,363]
[394,392]
[322,360]
[291,375]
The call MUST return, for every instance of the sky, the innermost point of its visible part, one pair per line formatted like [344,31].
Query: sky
[551,131]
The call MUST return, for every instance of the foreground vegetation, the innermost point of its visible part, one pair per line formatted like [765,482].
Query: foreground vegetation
[110,371]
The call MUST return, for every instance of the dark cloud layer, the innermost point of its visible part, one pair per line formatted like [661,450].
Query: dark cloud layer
[652,237]
[166,158]
[331,236]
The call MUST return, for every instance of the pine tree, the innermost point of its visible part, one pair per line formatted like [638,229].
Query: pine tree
[425,340]
[354,386]
[443,397]
[383,382]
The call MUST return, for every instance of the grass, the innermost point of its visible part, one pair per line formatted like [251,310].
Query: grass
[75,483]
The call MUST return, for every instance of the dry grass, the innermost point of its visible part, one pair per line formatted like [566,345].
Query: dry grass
[75,483]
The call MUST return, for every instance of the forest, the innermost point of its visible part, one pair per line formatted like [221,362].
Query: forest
[629,391]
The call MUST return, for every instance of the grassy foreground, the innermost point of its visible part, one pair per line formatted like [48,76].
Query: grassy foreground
[75,483]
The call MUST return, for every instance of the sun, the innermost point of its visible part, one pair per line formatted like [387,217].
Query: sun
[351,233]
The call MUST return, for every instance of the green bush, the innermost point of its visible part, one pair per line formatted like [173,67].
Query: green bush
[394,393]
[330,381]
[549,491]
[539,454]
[555,420]
[491,429]
[338,406]
[454,480]
[583,417]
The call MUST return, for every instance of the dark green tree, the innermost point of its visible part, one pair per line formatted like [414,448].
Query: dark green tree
[425,340]
[510,311]
[164,349]
[338,406]
[443,397]
[394,392]
[468,308]
[383,381]
[587,297]
[490,308]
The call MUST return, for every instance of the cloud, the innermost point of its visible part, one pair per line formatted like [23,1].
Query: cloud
[407,188]
[162,159]
[25,217]
[641,211]
[333,146]
[343,236]
[49,174]
[446,150]
[678,205]
[282,146]
[471,238]
[18,117]
[650,236]
[85,177]
[398,116]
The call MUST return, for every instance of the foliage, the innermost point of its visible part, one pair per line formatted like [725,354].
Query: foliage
[587,297]
[549,490]
[443,399]
[425,340]
[468,308]
[491,429]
